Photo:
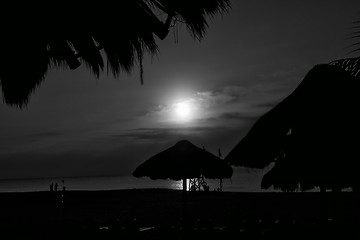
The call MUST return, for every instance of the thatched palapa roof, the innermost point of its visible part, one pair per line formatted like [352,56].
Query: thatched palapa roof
[184,160]
[311,135]
[351,64]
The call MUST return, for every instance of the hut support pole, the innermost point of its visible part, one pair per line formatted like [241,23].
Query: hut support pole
[323,203]
[184,185]
[337,204]
[184,207]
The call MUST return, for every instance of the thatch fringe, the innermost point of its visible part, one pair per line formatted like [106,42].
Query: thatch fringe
[351,65]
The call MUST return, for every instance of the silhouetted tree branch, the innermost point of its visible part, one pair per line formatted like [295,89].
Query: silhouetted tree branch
[115,35]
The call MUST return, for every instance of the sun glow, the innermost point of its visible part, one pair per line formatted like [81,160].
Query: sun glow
[183,111]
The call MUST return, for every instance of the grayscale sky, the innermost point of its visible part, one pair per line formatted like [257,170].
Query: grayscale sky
[209,92]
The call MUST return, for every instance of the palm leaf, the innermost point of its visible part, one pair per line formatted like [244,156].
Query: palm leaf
[195,17]
[17,83]
[351,65]
[119,36]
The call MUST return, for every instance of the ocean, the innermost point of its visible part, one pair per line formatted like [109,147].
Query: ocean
[241,181]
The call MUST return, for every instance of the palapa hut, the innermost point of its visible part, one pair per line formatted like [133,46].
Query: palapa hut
[311,135]
[184,161]
[111,36]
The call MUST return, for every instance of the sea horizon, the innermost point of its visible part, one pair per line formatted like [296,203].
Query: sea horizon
[241,181]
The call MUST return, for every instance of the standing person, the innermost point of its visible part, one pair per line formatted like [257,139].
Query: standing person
[56,186]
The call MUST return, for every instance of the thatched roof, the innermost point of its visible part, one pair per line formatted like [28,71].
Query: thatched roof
[112,37]
[184,160]
[264,140]
[311,135]
[351,65]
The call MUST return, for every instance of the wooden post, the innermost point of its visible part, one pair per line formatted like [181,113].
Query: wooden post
[323,204]
[184,206]
[337,208]
[219,152]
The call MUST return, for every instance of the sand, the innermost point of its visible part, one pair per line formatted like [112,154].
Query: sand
[159,214]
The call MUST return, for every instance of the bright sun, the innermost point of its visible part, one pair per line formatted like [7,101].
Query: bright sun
[183,111]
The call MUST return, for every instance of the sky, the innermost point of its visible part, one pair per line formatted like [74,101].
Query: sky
[209,92]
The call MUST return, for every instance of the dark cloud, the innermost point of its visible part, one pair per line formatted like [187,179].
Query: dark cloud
[145,134]
[237,116]
[115,154]
[223,95]
[211,136]
[161,134]
[264,106]
[234,120]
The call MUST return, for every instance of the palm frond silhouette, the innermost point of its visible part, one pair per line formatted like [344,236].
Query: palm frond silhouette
[111,37]
[351,65]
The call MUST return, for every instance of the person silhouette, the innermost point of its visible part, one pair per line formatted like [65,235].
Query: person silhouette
[56,186]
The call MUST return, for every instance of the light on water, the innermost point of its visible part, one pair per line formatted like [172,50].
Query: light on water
[178,185]
[241,181]
[85,183]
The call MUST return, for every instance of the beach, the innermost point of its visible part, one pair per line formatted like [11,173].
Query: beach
[159,214]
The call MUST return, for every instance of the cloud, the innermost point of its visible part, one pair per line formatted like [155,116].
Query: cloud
[160,134]
[237,116]
[229,106]
[242,98]
[267,105]
[204,105]
[222,116]
[111,153]
[223,95]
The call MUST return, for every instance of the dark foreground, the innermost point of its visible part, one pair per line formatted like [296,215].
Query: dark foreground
[162,214]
